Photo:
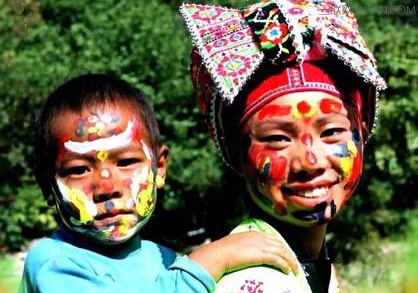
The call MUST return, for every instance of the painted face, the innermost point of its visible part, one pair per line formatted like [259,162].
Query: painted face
[106,173]
[305,156]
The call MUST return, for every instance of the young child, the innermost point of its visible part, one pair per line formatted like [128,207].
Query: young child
[99,160]
[289,92]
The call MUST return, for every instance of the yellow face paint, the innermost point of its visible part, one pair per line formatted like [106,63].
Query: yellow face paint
[86,208]
[347,162]
[106,173]
[303,110]
[102,155]
[146,198]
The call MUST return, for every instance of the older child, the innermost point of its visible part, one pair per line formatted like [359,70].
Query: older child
[99,160]
[289,90]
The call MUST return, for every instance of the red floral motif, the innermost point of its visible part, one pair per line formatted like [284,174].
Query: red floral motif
[273,34]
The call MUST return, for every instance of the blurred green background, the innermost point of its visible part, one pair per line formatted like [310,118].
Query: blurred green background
[43,43]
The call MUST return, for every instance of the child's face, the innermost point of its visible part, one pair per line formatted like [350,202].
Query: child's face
[106,172]
[304,158]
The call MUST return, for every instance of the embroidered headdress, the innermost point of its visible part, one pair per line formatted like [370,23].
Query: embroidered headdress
[275,47]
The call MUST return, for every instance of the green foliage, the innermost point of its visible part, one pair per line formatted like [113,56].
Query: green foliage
[24,216]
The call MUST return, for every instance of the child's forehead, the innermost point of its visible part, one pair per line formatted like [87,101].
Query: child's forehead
[306,103]
[96,121]
[106,112]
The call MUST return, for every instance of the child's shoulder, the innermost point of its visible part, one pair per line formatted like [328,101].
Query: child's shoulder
[46,246]
[157,250]
[44,250]
[262,278]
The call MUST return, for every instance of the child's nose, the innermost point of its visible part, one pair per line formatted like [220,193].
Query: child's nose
[107,185]
[310,157]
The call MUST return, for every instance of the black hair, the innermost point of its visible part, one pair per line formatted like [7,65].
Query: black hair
[87,90]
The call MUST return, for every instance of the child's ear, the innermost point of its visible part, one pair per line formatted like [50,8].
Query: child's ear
[162,166]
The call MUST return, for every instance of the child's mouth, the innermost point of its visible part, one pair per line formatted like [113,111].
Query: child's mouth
[308,196]
[315,192]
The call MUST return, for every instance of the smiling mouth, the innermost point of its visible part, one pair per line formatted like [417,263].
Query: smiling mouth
[315,192]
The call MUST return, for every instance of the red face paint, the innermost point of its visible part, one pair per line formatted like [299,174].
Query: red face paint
[328,106]
[304,107]
[136,131]
[127,182]
[61,148]
[268,165]
[308,141]
[88,189]
[274,110]
[107,185]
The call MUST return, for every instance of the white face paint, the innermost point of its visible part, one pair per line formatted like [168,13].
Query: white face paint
[147,151]
[106,182]
[86,207]
[138,179]
[106,144]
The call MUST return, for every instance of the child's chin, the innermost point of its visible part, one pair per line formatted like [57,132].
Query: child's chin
[114,239]
[111,235]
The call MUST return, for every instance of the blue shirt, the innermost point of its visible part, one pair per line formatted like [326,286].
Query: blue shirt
[61,264]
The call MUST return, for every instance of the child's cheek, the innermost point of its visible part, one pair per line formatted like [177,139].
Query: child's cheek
[350,160]
[88,188]
[267,165]
[143,191]
[77,203]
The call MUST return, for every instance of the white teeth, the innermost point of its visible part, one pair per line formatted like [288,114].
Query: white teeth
[316,192]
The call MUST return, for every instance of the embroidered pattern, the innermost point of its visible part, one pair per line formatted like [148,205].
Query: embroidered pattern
[231,44]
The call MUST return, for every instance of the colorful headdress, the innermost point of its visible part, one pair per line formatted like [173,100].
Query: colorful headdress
[233,45]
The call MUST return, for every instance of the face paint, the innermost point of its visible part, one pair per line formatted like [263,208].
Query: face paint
[318,214]
[353,165]
[303,110]
[102,155]
[328,106]
[308,141]
[76,202]
[110,198]
[105,174]
[276,165]
[95,126]
[269,166]
[104,144]
[274,110]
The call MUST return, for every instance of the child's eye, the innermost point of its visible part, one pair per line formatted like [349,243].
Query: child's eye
[74,171]
[128,162]
[275,138]
[332,132]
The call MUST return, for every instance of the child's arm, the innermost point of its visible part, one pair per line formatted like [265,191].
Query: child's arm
[245,249]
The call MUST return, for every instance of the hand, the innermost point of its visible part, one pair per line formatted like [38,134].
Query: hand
[245,249]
